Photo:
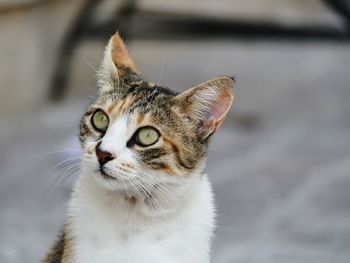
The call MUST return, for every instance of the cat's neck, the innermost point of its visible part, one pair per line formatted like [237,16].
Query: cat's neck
[162,201]
[112,226]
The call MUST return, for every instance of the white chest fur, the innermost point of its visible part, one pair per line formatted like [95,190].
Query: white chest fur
[107,229]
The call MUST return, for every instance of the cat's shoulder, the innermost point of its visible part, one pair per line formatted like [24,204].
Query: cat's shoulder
[59,251]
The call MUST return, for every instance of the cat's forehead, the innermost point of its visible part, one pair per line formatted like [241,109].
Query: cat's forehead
[138,95]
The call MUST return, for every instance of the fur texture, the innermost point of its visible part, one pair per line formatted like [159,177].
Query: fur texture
[143,203]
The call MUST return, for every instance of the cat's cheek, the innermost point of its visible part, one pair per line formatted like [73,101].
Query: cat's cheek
[163,168]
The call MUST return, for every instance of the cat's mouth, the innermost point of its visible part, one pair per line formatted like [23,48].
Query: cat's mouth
[105,175]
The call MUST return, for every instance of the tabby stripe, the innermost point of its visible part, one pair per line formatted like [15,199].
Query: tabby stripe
[178,155]
[89,112]
[140,117]
[162,166]
[151,154]
[57,252]
[121,104]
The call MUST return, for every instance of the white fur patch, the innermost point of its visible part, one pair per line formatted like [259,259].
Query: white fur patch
[107,229]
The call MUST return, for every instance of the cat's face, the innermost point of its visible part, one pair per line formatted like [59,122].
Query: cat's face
[137,132]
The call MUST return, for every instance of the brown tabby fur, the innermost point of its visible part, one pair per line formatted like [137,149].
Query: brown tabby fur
[60,250]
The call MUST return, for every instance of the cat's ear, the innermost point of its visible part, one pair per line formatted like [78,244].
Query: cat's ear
[207,104]
[116,63]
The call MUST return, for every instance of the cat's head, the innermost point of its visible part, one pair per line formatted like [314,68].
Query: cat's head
[137,132]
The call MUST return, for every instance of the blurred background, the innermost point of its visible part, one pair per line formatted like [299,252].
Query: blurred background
[280,165]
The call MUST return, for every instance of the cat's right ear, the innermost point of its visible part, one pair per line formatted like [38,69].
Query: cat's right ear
[116,64]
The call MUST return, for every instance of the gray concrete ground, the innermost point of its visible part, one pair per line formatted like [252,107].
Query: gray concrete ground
[280,166]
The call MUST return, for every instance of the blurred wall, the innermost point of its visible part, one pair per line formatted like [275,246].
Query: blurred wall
[30,37]
[290,12]
[32,31]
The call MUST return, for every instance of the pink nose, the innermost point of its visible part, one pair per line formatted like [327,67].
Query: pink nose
[103,156]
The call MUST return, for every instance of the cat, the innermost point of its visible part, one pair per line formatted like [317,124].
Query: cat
[141,195]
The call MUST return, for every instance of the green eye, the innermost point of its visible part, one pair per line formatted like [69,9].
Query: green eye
[100,121]
[147,136]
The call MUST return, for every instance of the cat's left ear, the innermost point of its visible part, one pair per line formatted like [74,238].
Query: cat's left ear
[116,64]
[207,104]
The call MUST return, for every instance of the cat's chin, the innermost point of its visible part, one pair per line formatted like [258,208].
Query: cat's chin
[110,182]
[105,175]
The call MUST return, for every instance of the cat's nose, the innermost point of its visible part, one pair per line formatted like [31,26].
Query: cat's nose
[103,156]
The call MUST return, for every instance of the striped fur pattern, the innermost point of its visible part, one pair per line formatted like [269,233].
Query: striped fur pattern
[59,252]
[150,191]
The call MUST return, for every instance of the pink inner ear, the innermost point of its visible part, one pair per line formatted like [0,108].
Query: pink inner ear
[217,113]
[220,107]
